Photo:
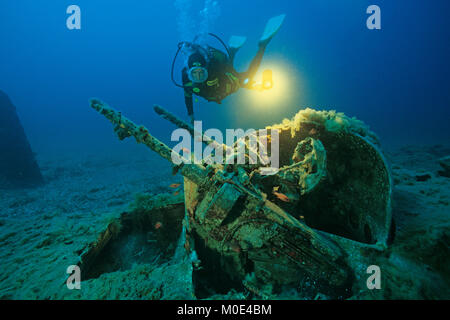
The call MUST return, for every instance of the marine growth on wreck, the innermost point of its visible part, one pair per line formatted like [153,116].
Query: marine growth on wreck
[305,223]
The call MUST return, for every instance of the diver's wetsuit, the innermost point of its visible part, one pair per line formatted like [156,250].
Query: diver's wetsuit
[223,79]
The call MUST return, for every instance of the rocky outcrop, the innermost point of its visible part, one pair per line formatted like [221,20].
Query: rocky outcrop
[18,167]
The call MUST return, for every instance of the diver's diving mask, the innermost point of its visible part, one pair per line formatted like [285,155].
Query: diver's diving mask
[198,74]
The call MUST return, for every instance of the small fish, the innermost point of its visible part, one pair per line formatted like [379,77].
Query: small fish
[282,196]
[158,225]
[176,193]
[313,131]
[175,185]
[186,150]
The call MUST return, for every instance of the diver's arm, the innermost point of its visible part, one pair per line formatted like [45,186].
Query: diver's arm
[247,77]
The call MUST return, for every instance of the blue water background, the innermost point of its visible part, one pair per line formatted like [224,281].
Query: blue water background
[394,79]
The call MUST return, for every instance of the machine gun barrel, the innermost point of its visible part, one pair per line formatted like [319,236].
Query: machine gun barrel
[126,128]
[181,124]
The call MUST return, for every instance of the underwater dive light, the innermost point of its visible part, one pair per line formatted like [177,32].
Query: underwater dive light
[266,83]
[273,85]
[267,79]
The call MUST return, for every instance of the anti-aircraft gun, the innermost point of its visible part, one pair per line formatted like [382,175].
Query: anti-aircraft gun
[301,223]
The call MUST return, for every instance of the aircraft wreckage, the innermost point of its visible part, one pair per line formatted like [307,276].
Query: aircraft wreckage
[312,226]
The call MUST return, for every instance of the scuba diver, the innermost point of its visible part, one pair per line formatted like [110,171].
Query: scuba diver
[210,74]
